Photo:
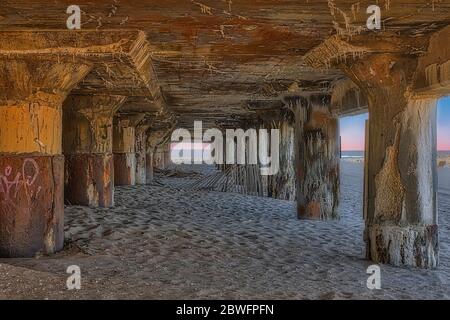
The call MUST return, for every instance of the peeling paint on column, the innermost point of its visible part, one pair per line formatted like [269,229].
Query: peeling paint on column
[390,192]
[31,205]
[89,180]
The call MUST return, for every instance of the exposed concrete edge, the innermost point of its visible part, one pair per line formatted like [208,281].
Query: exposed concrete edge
[131,48]
[433,70]
[333,50]
[347,99]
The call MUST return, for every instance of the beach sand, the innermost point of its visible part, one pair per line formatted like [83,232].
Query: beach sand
[164,241]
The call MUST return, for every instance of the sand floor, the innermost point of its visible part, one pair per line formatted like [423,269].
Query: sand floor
[164,241]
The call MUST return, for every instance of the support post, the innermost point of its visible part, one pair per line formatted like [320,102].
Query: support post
[167,155]
[282,185]
[141,152]
[124,148]
[401,222]
[31,160]
[156,140]
[317,153]
[87,142]
[149,166]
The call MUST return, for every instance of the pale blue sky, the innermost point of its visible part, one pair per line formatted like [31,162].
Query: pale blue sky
[352,128]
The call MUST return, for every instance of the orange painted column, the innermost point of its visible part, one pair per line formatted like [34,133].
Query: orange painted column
[87,141]
[31,160]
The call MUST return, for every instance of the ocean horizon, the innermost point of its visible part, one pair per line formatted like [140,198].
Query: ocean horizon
[360,153]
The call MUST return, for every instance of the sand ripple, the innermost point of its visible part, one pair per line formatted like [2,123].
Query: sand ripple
[165,241]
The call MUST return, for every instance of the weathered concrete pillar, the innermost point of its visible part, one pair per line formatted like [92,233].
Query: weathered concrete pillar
[149,166]
[283,184]
[167,155]
[401,221]
[141,153]
[87,144]
[156,139]
[31,161]
[158,158]
[317,157]
[124,148]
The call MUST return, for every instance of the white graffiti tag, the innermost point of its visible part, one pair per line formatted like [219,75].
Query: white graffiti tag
[11,186]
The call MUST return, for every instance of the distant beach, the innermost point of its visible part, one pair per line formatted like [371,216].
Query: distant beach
[443,157]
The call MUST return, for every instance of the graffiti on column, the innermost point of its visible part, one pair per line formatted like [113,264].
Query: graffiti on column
[21,183]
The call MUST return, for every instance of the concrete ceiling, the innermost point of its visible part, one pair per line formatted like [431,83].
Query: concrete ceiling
[211,57]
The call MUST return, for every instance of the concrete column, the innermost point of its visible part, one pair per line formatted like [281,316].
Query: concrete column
[87,142]
[401,217]
[167,155]
[141,153]
[31,161]
[317,157]
[149,166]
[156,139]
[124,148]
[158,158]
[283,184]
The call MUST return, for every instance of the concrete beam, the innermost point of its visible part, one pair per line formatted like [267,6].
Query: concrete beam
[347,99]
[433,70]
[120,60]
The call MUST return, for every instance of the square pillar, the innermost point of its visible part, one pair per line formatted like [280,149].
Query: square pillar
[317,157]
[31,160]
[124,148]
[87,141]
[401,211]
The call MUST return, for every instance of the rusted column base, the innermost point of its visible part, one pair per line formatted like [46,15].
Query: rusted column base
[141,168]
[412,246]
[323,206]
[31,205]
[90,180]
[124,169]
[149,167]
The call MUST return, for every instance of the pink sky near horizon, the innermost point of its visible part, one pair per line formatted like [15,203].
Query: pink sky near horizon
[444,138]
[353,129]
